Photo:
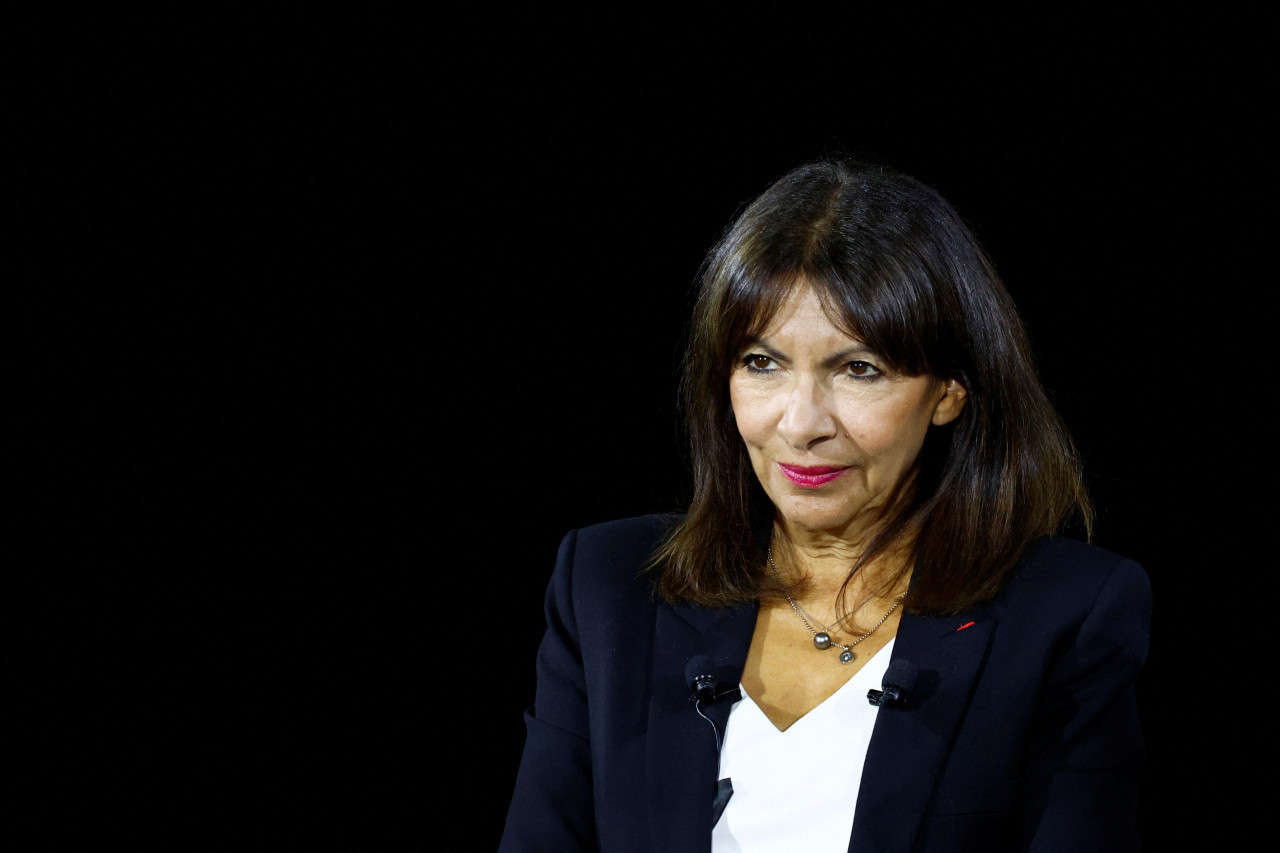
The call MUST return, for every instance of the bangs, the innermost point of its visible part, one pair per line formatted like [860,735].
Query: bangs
[895,319]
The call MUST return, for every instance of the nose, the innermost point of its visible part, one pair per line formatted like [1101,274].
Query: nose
[807,418]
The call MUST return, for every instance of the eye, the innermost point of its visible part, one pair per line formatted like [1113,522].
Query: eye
[757,363]
[863,370]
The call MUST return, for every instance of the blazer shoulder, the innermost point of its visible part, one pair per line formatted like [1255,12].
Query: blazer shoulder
[645,529]
[1057,570]
[612,551]
[622,540]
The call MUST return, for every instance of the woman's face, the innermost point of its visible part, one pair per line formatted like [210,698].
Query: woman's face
[830,429]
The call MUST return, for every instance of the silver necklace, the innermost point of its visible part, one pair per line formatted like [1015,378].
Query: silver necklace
[821,639]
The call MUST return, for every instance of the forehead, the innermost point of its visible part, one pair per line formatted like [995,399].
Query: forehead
[804,315]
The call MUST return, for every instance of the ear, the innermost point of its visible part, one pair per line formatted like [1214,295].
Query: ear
[948,408]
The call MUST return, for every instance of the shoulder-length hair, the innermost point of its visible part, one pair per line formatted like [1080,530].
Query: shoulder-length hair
[896,267]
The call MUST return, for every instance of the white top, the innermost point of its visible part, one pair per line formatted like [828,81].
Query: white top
[796,790]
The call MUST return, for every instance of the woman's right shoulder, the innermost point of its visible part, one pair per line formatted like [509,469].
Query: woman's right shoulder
[601,575]
[612,553]
[617,543]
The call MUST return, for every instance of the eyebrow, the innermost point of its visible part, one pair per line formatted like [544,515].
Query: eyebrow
[852,353]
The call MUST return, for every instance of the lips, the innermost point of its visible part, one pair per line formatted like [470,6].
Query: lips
[811,476]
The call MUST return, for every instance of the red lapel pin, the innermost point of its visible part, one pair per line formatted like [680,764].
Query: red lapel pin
[965,625]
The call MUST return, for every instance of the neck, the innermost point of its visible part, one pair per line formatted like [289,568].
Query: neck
[815,567]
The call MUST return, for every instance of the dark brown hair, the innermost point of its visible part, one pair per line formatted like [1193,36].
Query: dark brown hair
[896,267]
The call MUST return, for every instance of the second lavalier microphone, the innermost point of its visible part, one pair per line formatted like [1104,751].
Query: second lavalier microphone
[699,674]
[898,681]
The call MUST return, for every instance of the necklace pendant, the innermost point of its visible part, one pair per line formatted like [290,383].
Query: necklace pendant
[846,656]
[822,640]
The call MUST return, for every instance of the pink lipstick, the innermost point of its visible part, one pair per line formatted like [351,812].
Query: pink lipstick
[811,477]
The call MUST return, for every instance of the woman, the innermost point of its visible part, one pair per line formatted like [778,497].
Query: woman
[867,632]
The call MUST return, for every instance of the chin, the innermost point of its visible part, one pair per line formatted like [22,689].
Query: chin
[814,518]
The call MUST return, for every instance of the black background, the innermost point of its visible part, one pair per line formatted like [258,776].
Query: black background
[328,328]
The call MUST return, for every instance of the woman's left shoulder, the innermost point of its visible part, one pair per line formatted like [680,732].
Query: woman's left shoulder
[1056,570]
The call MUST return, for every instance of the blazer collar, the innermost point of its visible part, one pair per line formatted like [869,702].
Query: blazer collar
[909,742]
[683,737]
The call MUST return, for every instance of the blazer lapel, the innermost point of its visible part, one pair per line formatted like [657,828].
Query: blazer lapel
[683,757]
[909,742]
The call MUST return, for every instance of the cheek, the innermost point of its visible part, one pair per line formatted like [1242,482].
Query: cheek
[746,415]
[749,429]
[889,434]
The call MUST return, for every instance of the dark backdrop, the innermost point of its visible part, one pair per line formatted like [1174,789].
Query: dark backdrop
[329,328]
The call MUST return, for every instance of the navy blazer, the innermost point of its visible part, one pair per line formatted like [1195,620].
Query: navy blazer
[1020,734]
